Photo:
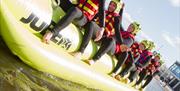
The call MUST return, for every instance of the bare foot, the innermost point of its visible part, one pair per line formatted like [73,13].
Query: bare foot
[127,81]
[77,55]
[90,62]
[118,77]
[113,75]
[47,37]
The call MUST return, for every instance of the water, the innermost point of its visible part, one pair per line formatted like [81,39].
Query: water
[17,76]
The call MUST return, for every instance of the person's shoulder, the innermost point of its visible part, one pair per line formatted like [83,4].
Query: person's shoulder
[116,14]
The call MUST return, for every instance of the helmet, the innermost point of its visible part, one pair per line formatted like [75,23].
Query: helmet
[161,62]
[137,27]
[118,4]
[145,43]
[151,45]
[116,1]
[158,55]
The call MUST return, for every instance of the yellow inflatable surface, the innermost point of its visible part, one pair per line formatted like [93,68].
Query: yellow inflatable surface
[22,21]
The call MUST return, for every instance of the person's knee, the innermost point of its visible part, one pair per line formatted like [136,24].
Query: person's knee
[124,55]
[111,41]
[114,42]
[107,39]
[74,10]
[89,27]
[91,24]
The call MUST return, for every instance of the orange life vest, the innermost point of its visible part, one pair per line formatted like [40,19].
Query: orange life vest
[89,8]
[109,23]
[153,67]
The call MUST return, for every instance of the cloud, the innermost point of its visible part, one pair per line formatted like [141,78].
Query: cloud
[177,41]
[174,41]
[142,35]
[128,17]
[139,12]
[175,3]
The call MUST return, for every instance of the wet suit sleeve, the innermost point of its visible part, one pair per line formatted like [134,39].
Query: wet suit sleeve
[102,13]
[121,14]
[120,18]
[155,73]
[128,41]
[117,28]
[137,58]
[131,56]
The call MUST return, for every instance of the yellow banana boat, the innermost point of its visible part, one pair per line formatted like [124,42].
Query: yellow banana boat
[23,21]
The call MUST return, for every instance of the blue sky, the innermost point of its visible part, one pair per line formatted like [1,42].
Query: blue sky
[160,21]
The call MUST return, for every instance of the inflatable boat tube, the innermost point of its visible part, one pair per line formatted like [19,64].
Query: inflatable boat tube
[22,21]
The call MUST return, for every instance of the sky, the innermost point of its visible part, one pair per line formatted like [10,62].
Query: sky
[160,22]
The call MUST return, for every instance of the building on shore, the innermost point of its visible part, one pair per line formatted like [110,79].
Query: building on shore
[171,76]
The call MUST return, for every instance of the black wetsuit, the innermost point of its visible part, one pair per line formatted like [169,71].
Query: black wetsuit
[143,74]
[129,65]
[149,78]
[66,5]
[121,57]
[75,15]
[134,70]
[109,43]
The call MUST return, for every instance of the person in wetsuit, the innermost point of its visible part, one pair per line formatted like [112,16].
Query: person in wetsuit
[150,71]
[111,29]
[81,15]
[142,62]
[133,56]
[127,40]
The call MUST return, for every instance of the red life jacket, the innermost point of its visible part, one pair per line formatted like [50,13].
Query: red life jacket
[135,51]
[153,67]
[118,49]
[125,35]
[143,56]
[156,63]
[89,8]
[109,24]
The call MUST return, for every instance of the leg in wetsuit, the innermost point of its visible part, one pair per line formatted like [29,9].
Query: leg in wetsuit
[148,79]
[73,13]
[66,5]
[127,69]
[122,57]
[142,76]
[133,74]
[107,45]
[90,31]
